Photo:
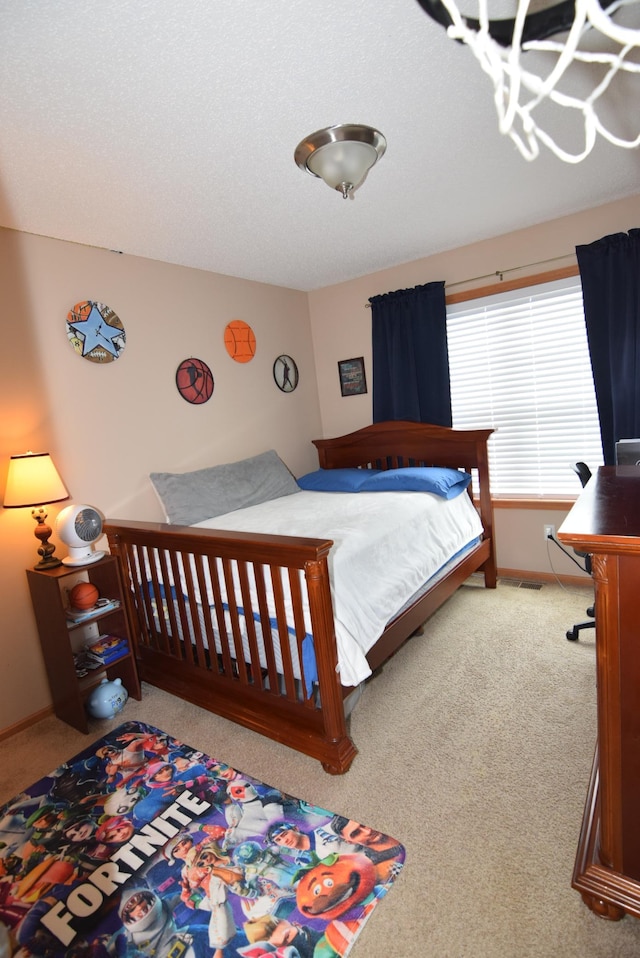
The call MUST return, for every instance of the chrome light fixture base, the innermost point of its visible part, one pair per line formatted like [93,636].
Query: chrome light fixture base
[341,155]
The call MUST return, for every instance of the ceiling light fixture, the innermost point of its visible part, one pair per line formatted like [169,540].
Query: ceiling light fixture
[341,155]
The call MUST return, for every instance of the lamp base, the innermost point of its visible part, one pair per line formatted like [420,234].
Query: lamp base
[49,563]
[42,532]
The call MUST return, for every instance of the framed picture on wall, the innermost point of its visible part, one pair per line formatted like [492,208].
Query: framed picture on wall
[353,381]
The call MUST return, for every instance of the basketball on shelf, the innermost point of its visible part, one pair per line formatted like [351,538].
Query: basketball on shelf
[240,341]
[83,596]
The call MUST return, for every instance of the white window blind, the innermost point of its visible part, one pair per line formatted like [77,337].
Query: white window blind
[519,362]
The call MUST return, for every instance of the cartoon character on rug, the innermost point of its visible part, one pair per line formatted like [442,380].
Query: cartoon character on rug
[258,862]
[126,759]
[163,781]
[41,861]
[88,842]
[44,829]
[149,929]
[340,887]
[78,784]
[206,874]
[306,848]
[201,777]
[13,822]
[381,849]
[82,844]
[250,813]
[122,800]
[276,935]
[35,939]
[259,895]
[263,949]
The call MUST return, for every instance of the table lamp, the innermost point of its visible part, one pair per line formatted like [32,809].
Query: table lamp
[33,480]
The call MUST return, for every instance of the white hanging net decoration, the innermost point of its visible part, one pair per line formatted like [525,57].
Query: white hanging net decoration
[592,70]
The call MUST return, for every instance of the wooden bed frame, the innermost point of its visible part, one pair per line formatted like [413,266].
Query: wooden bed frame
[234,684]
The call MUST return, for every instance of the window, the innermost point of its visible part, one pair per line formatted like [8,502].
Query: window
[519,362]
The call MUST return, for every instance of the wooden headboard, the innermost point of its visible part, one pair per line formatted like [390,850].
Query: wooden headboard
[398,444]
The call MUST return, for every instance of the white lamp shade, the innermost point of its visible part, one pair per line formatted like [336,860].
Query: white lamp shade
[342,162]
[33,480]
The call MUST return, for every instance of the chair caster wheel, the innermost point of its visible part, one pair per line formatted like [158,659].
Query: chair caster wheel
[573,635]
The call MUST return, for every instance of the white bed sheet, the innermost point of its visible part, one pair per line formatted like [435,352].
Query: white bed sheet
[386,545]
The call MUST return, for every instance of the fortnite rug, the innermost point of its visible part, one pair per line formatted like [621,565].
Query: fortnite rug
[141,845]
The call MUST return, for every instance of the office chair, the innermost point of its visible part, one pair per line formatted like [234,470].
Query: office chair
[584,474]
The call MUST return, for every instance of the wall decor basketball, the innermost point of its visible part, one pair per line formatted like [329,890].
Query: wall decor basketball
[240,341]
[194,380]
[95,332]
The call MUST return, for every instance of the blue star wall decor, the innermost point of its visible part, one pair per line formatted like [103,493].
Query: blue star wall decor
[95,332]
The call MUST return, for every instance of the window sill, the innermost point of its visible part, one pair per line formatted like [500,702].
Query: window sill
[536,502]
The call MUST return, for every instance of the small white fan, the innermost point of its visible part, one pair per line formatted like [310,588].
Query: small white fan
[79,527]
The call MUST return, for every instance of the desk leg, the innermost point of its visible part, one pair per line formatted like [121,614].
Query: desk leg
[607,893]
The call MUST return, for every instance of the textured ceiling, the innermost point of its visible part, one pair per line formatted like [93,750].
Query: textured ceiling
[167,130]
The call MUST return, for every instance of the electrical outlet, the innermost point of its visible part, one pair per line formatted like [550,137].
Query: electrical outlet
[549,532]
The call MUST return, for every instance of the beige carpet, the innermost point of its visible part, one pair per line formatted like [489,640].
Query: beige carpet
[475,746]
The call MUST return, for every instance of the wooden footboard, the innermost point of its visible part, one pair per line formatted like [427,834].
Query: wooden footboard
[224,657]
[237,653]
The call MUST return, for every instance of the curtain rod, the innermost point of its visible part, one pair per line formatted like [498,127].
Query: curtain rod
[500,273]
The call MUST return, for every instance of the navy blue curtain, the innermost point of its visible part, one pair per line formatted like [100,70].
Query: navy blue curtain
[610,275]
[410,356]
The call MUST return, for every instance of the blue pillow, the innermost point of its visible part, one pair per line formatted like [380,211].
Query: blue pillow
[447,483]
[336,480]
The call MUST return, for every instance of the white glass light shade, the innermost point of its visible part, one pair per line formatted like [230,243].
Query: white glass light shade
[338,163]
[33,480]
[341,155]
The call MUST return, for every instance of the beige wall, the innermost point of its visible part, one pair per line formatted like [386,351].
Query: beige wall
[341,329]
[108,426]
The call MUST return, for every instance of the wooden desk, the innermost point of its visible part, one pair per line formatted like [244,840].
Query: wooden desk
[605,522]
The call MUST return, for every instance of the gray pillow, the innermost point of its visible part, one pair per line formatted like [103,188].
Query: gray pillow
[191,497]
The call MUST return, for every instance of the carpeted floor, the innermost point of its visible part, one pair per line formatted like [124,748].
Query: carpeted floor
[475,747]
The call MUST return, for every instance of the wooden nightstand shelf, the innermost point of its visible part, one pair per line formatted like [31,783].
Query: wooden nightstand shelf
[60,637]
